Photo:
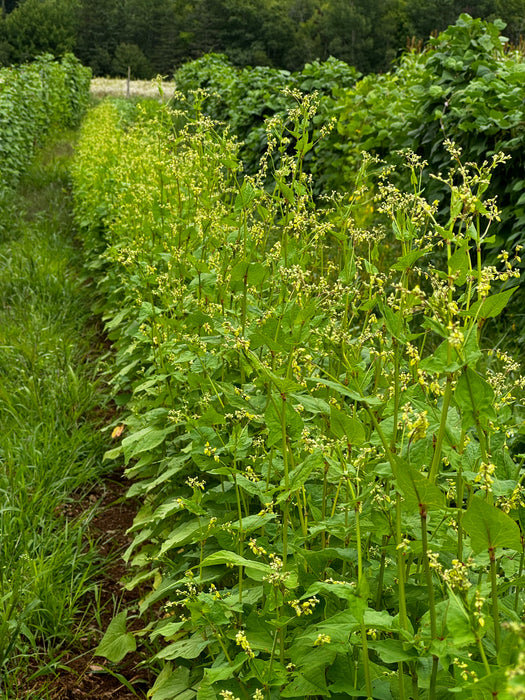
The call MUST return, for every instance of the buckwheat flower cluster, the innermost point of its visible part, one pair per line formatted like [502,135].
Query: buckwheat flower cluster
[464,671]
[478,605]
[416,424]
[322,639]
[256,549]
[485,476]
[457,577]
[241,641]
[433,561]
[276,576]
[304,607]
[194,483]
[515,500]
[228,695]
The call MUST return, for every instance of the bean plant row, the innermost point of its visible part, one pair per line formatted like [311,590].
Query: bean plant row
[36,99]
[325,446]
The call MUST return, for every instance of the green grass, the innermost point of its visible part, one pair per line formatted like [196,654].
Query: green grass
[51,361]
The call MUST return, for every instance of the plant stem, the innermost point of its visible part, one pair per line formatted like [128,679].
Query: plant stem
[494,594]
[430,592]
[434,467]
[520,573]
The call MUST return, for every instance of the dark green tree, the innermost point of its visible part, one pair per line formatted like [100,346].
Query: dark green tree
[131,57]
[100,32]
[41,26]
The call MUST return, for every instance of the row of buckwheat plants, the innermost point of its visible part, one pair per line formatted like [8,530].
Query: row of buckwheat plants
[34,99]
[326,455]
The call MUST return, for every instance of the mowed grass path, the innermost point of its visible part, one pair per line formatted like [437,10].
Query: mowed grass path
[51,411]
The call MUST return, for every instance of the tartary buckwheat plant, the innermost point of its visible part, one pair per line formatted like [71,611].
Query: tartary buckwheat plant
[326,451]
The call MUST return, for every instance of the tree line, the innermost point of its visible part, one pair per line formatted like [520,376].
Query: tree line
[157,36]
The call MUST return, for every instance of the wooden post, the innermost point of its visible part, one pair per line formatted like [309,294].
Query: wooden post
[128,82]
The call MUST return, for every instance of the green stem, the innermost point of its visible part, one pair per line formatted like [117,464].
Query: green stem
[436,460]
[430,592]
[483,656]
[494,593]
[366,663]
[403,617]
[520,573]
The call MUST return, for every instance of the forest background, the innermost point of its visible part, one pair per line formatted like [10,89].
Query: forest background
[157,36]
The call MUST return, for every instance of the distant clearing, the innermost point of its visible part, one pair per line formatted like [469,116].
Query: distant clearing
[116,87]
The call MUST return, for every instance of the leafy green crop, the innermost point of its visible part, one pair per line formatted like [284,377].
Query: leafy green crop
[325,450]
[34,99]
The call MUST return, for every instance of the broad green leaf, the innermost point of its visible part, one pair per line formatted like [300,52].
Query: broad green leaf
[143,441]
[490,527]
[302,687]
[311,404]
[172,684]
[185,648]
[406,261]
[116,642]
[245,196]
[475,399]
[491,306]
[293,422]
[205,691]
[458,622]
[180,535]
[253,273]
[418,490]
[343,425]
[459,264]
[301,473]
[282,384]
[392,651]
[226,557]
[395,323]
[258,339]
[345,391]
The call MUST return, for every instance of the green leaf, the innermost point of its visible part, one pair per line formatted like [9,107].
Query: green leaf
[293,421]
[116,642]
[185,648]
[490,527]
[143,441]
[226,557]
[205,691]
[459,264]
[172,684]
[311,404]
[253,273]
[407,261]
[343,425]
[418,490]
[395,323]
[475,399]
[346,391]
[491,306]
[299,475]
[392,651]
[282,384]
[458,622]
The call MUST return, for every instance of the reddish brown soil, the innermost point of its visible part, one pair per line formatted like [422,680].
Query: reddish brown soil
[82,675]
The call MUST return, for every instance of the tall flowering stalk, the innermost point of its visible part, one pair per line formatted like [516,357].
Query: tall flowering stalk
[331,387]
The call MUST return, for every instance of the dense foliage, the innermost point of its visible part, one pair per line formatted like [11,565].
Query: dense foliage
[34,99]
[464,86]
[242,99]
[51,444]
[325,448]
[156,36]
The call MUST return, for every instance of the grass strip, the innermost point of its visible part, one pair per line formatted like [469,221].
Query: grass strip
[51,410]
